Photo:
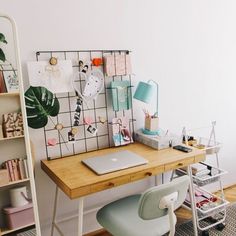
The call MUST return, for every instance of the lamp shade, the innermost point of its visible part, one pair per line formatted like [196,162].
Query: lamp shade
[144,92]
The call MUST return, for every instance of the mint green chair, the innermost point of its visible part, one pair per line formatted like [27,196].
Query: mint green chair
[148,214]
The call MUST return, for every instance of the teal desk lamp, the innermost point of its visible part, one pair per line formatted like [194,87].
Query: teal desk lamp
[144,93]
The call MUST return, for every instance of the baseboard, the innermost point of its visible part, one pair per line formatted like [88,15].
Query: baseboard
[229,186]
[95,233]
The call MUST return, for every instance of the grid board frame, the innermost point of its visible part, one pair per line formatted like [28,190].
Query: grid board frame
[102,106]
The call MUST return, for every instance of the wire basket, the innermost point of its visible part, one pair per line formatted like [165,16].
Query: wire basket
[209,208]
[210,146]
[219,206]
[213,176]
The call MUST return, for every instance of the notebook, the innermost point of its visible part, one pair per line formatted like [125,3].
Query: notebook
[113,162]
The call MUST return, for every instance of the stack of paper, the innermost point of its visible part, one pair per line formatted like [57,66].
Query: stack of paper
[199,169]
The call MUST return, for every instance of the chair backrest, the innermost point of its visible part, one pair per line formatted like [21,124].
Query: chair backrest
[150,199]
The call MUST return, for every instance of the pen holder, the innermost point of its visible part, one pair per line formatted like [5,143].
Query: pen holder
[151,123]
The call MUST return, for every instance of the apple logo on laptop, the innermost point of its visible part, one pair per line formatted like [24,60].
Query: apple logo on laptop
[114,159]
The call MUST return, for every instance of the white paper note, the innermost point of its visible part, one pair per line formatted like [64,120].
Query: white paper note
[56,78]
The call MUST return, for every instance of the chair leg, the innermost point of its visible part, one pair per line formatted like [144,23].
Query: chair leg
[172,219]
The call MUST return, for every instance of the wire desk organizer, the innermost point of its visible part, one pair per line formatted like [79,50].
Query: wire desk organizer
[101,107]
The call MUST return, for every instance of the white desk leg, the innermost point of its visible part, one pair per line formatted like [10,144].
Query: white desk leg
[193,202]
[54,212]
[159,179]
[156,180]
[80,216]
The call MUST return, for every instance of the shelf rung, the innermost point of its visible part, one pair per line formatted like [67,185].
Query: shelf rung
[16,137]
[8,231]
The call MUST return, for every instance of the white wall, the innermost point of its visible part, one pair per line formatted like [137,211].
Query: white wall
[187,46]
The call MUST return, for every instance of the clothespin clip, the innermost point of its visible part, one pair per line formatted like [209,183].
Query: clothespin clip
[97,61]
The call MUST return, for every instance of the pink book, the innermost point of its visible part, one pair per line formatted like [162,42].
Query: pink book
[123,64]
[21,169]
[9,164]
[117,65]
[109,62]
[15,170]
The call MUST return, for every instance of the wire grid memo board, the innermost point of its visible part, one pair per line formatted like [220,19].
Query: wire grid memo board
[101,107]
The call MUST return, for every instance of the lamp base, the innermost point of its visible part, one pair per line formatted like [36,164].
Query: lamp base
[148,132]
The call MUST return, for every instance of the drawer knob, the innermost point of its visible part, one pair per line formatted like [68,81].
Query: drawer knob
[149,173]
[111,184]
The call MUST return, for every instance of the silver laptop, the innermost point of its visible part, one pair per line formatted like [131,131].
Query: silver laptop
[113,162]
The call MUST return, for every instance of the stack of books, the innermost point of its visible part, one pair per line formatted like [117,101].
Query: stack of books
[17,169]
[200,170]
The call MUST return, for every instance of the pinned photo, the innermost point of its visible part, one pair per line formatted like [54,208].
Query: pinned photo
[92,130]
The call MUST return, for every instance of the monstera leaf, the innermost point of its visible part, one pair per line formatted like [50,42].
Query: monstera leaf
[40,103]
[2,56]
[2,38]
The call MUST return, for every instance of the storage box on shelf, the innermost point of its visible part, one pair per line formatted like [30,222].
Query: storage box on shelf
[19,216]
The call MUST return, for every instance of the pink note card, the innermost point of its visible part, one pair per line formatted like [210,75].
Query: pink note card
[117,65]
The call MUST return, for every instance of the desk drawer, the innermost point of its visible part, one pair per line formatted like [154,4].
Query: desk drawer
[147,173]
[199,158]
[179,164]
[110,184]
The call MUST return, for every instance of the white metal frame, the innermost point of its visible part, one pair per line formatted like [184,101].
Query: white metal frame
[196,218]
[23,110]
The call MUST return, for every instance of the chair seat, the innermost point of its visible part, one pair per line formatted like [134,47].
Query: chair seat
[121,218]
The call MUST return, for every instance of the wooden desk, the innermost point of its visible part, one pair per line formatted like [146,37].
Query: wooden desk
[77,181]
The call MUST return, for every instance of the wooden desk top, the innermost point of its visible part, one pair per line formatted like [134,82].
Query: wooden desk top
[76,180]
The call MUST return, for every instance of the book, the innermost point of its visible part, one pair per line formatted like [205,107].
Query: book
[10,168]
[26,168]
[202,173]
[21,168]
[15,169]
[5,166]
[198,167]
[121,95]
